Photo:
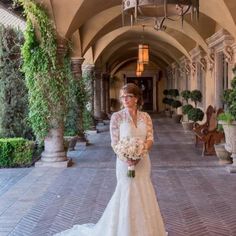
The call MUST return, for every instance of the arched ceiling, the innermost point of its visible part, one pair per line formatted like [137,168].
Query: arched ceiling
[99,30]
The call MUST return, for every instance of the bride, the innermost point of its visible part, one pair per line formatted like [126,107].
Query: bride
[133,209]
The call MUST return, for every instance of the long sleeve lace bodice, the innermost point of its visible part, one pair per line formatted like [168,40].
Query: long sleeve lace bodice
[123,116]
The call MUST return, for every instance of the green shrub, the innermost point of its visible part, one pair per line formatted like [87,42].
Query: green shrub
[187,108]
[166,92]
[196,96]
[176,104]
[229,98]
[186,94]
[195,114]
[165,100]
[174,92]
[13,92]
[169,101]
[15,152]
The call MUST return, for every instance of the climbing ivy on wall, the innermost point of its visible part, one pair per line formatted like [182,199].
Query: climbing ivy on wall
[78,101]
[13,92]
[46,78]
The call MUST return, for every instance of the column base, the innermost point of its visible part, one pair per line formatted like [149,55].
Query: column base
[106,122]
[94,131]
[80,144]
[231,169]
[56,164]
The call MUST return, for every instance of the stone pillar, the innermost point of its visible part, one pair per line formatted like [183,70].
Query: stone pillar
[88,71]
[103,97]
[54,154]
[97,95]
[108,105]
[218,80]
[220,48]
[76,66]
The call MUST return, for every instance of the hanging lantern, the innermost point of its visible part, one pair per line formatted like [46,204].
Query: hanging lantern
[143,53]
[140,67]
[138,73]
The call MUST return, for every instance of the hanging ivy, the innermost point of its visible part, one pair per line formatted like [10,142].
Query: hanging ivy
[78,102]
[46,79]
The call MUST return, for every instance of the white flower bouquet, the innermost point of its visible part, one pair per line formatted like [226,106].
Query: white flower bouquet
[130,148]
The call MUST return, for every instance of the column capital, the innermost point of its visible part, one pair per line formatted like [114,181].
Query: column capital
[88,69]
[62,49]
[76,64]
[77,60]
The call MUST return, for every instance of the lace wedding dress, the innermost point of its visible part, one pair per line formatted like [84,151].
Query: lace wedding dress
[133,209]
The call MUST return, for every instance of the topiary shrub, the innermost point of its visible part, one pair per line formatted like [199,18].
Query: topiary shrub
[186,108]
[176,103]
[195,114]
[174,93]
[229,98]
[166,92]
[196,96]
[186,94]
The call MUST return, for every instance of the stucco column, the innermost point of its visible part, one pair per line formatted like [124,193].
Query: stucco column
[88,71]
[54,154]
[103,97]
[218,80]
[108,105]
[97,95]
[76,66]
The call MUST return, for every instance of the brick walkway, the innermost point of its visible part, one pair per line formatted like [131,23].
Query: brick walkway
[196,194]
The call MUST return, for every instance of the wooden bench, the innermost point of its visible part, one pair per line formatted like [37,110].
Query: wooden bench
[207,133]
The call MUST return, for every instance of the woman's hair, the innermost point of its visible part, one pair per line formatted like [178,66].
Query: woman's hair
[136,91]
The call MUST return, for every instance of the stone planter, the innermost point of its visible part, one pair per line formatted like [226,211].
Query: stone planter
[187,125]
[176,118]
[168,113]
[230,141]
[222,154]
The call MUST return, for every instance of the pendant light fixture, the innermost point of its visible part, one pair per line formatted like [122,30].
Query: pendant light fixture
[143,51]
[140,67]
[159,10]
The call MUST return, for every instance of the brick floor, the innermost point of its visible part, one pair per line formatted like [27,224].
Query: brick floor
[196,194]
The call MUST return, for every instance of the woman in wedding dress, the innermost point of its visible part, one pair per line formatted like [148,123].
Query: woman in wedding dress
[133,209]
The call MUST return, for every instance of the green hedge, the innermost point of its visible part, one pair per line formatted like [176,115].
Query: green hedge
[15,152]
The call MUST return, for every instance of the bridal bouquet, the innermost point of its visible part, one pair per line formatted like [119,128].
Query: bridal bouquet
[130,148]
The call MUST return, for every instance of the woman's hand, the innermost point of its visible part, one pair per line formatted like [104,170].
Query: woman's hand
[133,162]
[148,145]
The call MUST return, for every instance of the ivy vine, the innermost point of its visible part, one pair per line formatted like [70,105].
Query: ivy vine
[46,79]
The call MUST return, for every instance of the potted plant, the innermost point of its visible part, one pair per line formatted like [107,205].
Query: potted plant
[174,93]
[196,96]
[165,101]
[169,103]
[187,124]
[186,95]
[175,104]
[195,114]
[228,121]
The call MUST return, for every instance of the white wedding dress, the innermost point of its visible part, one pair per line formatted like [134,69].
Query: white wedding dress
[133,209]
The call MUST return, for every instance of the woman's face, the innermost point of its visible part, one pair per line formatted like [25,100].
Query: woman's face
[128,100]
